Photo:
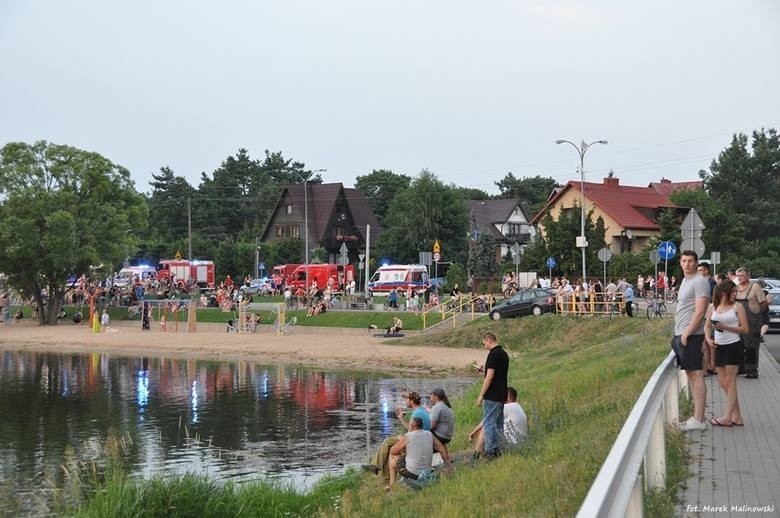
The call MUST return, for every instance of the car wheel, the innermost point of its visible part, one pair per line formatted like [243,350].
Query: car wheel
[537,311]
[495,315]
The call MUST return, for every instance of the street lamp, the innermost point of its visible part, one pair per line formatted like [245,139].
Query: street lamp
[581,149]
[306,213]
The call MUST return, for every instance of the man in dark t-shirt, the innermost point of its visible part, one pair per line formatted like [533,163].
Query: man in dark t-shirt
[493,393]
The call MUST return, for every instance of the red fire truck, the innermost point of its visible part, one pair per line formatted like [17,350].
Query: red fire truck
[284,271]
[322,274]
[198,272]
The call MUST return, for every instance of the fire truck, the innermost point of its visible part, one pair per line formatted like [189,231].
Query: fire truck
[200,273]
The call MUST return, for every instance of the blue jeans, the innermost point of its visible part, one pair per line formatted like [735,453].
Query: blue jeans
[492,424]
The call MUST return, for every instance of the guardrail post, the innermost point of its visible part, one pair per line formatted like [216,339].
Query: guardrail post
[672,402]
[655,455]
[635,507]
[682,380]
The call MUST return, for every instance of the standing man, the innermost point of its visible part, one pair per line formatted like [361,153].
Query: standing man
[709,358]
[688,339]
[752,297]
[493,393]
[628,297]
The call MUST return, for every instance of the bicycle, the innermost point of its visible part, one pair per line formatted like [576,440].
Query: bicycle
[656,308]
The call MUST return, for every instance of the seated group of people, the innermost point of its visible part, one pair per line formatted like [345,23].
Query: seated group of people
[409,457]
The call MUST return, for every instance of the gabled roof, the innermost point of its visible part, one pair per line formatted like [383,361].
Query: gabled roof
[624,203]
[490,212]
[322,200]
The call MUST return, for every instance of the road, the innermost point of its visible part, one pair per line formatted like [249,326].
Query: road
[772,343]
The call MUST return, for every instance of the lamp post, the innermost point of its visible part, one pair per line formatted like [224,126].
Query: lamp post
[581,150]
[306,214]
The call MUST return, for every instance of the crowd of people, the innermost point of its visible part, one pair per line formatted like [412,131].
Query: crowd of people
[719,326]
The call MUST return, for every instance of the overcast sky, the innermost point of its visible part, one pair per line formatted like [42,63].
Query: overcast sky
[468,90]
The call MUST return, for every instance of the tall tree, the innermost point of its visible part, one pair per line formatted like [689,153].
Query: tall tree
[532,192]
[427,211]
[560,236]
[379,188]
[168,205]
[63,211]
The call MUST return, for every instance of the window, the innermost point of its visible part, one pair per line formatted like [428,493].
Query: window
[279,231]
[289,209]
[295,231]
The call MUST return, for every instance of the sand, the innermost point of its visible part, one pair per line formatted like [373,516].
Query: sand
[322,347]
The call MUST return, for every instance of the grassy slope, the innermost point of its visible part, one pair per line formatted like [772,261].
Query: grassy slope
[577,379]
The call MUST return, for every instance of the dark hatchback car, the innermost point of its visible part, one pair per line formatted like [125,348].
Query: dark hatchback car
[774,310]
[531,301]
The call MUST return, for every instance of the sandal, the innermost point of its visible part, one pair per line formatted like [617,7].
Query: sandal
[714,422]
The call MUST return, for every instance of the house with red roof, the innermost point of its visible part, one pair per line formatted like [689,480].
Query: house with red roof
[630,213]
[337,215]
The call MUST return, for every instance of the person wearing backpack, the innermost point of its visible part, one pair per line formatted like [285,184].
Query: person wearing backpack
[752,297]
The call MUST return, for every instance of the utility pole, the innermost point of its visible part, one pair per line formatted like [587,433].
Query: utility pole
[189,228]
[368,247]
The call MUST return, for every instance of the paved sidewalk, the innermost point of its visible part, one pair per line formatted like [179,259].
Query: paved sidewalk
[735,471]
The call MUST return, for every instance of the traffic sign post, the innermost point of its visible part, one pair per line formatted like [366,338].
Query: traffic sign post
[360,271]
[666,250]
[715,259]
[604,256]
[551,263]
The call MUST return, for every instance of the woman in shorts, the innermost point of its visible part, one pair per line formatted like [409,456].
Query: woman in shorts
[726,320]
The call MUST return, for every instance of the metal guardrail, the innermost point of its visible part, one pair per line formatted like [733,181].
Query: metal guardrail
[450,309]
[618,488]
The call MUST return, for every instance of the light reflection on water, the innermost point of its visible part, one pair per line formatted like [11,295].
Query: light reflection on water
[238,420]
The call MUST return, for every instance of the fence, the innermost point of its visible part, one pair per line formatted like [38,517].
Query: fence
[618,488]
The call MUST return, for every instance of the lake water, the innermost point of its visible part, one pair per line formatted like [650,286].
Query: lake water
[237,420]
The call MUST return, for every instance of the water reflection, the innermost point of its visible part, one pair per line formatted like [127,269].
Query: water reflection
[227,419]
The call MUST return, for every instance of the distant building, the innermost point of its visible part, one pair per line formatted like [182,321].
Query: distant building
[502,219]
[630,213]
[337,215]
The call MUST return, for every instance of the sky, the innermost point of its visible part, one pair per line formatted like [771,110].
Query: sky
[467,90]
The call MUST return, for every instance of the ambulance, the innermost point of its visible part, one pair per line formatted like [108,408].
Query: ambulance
[399,276]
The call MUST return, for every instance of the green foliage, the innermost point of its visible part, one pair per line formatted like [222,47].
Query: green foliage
[471,193]
[428,210]
[532,192]
[534,258]
[234,258]
[740,203]
[282,251]
[560,236]
[317,254]
[64,211]
[482,260]
[379,188]
[456,275]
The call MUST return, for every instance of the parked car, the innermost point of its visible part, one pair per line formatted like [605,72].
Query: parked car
[531,301]
[771,284]
[774,309]
[257,287]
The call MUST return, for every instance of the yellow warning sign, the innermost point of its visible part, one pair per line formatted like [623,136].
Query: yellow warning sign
[436,247]
[178,255]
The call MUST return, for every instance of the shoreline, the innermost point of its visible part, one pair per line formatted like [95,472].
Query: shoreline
[337,348]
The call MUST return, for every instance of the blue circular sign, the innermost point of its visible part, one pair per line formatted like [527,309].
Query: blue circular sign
[667,250]
[551,262]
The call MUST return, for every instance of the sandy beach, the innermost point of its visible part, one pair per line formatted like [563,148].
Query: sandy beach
[322,347]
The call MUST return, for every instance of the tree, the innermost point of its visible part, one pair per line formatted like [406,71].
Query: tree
[425,212]
[560,236]
[482,260]
[379,188]
[740,203]
[168,205]
[64,212]
[533,192]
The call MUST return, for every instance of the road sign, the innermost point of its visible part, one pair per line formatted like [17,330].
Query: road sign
[426,258]
[697,245]
[261,267]
[516,249]
[604,255]
[436,256]
[654,257]
[667,250]
[692,222]
[436,247]
[715,257]
[343,250]
[691,234]
[551,263]
[361,257]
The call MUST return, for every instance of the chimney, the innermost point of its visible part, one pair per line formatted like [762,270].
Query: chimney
[612,181]
[665,180]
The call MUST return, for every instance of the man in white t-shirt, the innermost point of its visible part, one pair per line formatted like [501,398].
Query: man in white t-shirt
[515,424]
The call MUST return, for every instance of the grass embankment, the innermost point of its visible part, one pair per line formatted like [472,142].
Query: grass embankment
[578,380]
[347,319]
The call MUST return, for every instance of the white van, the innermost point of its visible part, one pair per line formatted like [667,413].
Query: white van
[398,276]
[125,276]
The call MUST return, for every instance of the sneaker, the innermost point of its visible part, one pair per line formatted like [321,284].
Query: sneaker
[371,468]
[692,425]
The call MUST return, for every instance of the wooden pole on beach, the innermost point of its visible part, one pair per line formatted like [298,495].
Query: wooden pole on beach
[192,321]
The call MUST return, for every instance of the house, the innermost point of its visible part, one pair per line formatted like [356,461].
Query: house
[502,219]
[337,215]
[630,213]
